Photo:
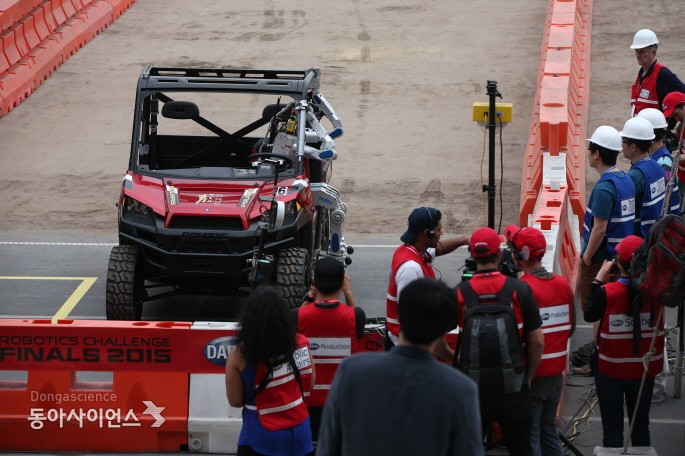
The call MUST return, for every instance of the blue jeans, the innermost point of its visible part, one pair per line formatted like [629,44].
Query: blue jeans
[544,400]
[611,393]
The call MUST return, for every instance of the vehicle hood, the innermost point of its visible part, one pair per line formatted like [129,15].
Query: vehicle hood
[171,197]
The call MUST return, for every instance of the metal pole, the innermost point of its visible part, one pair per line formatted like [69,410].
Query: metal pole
[677,383]
[492,124]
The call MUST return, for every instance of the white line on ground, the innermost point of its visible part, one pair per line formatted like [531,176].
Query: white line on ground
[107,244]
[77,244]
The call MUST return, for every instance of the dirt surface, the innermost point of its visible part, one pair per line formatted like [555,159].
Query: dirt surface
[402,76]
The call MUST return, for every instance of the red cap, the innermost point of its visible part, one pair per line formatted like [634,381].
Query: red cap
[528,241]
[670,102]
[484,242]
[627,247]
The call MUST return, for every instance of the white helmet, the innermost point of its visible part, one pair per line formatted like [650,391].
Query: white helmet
[638,128]
[644,38]
[607,137]
[655,117]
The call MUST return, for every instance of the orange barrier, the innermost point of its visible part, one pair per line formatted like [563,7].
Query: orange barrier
[119,7]
[144,407]
[12,11]
[36,37]
[558,128]
[553,177]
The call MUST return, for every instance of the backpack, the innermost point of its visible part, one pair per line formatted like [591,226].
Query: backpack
[657,269]
[490,350]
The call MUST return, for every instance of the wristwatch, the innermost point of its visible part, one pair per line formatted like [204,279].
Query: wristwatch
[308,298]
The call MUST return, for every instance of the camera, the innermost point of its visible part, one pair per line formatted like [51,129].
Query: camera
[507,265]
[670,141]
[469,269]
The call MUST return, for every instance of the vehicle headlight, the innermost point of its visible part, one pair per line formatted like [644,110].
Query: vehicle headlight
[290,212]
[134,210]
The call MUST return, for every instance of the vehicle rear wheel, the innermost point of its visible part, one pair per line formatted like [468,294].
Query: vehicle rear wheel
[293,273]
[125,291]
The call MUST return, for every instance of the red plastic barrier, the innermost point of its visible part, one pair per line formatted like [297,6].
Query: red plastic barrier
[119,7]
[143,408]
[16,84]
[4,64]
[558,62]
[95,18]
[554,113]
[47,57]
[30,34]
[55,7]
[10,48]
[560,126]
[52,411]
[40,36]
[564,13]
[13,11]
[41,24]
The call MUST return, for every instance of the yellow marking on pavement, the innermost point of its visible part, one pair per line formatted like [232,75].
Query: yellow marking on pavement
[70,303]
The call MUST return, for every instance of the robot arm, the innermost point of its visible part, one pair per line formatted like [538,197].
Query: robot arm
[316,132]
[324,106]
[327,198]
[286,140]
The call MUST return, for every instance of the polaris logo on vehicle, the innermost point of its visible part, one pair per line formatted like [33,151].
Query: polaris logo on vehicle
[194,235]
[217,350]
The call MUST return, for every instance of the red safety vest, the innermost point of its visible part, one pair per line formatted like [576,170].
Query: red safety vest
[332,334]
[403,254]
[553,297]
[644,92]
[281,404]
[489,284]
[616,357]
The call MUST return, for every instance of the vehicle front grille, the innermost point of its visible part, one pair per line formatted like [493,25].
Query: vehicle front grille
[205,247]
[206,223]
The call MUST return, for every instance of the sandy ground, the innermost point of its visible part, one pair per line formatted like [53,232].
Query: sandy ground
[402,76]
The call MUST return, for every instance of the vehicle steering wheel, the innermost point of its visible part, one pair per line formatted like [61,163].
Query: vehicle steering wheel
[287,161]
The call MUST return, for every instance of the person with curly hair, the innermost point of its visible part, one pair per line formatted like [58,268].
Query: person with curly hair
[268,374]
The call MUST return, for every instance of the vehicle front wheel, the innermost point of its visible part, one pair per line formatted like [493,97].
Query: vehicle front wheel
[293,274]
[125,289]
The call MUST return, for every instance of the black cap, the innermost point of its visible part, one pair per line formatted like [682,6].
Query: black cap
[420,219]
[329,275]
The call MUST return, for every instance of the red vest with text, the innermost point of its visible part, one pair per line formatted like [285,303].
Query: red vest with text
[553,297]
[644,93]
[403,254]
[489,284]
[615,338]
[281,404]
[332,334]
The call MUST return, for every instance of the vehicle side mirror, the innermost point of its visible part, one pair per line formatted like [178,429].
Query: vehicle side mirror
[180,110]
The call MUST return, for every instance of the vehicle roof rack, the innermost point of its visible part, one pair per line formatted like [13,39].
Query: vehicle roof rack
[295,83]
